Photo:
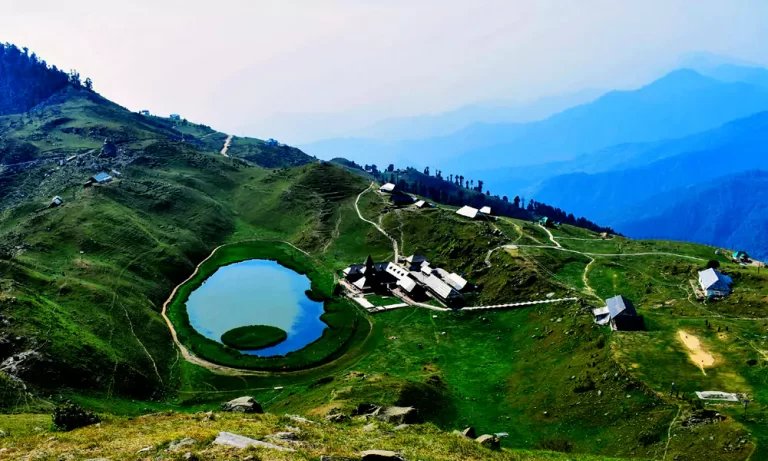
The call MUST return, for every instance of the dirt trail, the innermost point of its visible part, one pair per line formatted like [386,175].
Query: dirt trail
[224,149]
[551,237]
[697,354]
[190,357]
[650,253]
[379,228]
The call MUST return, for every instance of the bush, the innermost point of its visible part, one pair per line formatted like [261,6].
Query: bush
[561,445]
[713,264]
[72,416]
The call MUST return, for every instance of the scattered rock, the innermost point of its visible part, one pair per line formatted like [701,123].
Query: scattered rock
[181,444]
[365,409]
[381,455]
[189,456]
[337,418]
[238,441]
[398,415]
[242,405]
[488,440]
[286,436]
[469,432]
[145,450]
[369,427]
[401,427]
[299,419]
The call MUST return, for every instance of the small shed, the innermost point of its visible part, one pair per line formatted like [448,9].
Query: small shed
[101,178]
[175,117]
[144,112]
[420,203]
[715,283]
[544,221]
[485,210]
[271,142]
[620,314]
[56,201]
[468,212]
[387,188]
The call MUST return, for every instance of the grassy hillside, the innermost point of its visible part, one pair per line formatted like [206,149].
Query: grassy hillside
[82,286]
[122,438]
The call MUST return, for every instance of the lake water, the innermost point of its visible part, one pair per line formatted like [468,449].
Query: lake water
[257,292]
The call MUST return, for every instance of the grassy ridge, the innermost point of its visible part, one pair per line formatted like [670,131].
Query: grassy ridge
[342,318]
[253,337]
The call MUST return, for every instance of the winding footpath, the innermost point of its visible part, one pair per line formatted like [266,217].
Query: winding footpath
[357,208]
[189,356]
[224,149]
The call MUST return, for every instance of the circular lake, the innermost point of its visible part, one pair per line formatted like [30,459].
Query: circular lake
[257,292]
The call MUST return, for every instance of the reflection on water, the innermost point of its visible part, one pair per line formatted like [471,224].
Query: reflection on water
[257,292]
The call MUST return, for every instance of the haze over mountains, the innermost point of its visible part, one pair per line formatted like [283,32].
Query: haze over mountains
[604,158]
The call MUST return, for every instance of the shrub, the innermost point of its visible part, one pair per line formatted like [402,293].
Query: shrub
[561,445]
[71,416]
[713,264]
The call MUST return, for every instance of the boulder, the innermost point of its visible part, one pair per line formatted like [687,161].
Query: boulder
[398,415]
[238,441]
[381,455]
[337,418]
[181,444]
[242,405]
[189,456]
[469,432]
[365,409]
[488,440]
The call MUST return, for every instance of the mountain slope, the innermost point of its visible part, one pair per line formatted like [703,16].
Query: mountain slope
[610,196]
[730,212]
[679,104]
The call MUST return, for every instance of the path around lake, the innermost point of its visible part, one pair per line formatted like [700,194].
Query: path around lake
[224,149]
[213,367]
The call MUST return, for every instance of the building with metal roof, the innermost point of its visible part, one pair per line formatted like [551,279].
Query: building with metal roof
[485,210]
[388,188]
[715,283]
[420,203]
[442,290]
[468,212]
[620,313]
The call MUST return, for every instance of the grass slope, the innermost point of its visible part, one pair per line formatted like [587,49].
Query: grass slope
[253,337]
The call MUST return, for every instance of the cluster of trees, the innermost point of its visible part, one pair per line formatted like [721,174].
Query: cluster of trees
[26,80]
[456,190]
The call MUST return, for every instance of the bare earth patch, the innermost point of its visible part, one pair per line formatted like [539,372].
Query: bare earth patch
[697,354]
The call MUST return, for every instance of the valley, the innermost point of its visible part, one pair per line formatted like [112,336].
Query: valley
[113,225]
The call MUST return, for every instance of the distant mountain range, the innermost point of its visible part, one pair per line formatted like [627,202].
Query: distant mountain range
[446,123]
[607,196]
[731,211]
[681,103]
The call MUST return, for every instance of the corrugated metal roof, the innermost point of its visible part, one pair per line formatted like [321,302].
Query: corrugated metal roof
[102,177]
[456,280]
[619,304]
[420,203]
[360,283]
[440,288]
[711,279]
[407,283]
[467,212]
[388,187]
[485,210]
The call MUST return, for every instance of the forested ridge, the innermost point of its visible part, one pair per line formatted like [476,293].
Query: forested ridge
[26,80]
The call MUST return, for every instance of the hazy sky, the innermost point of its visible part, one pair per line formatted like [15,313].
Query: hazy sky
[302,70]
